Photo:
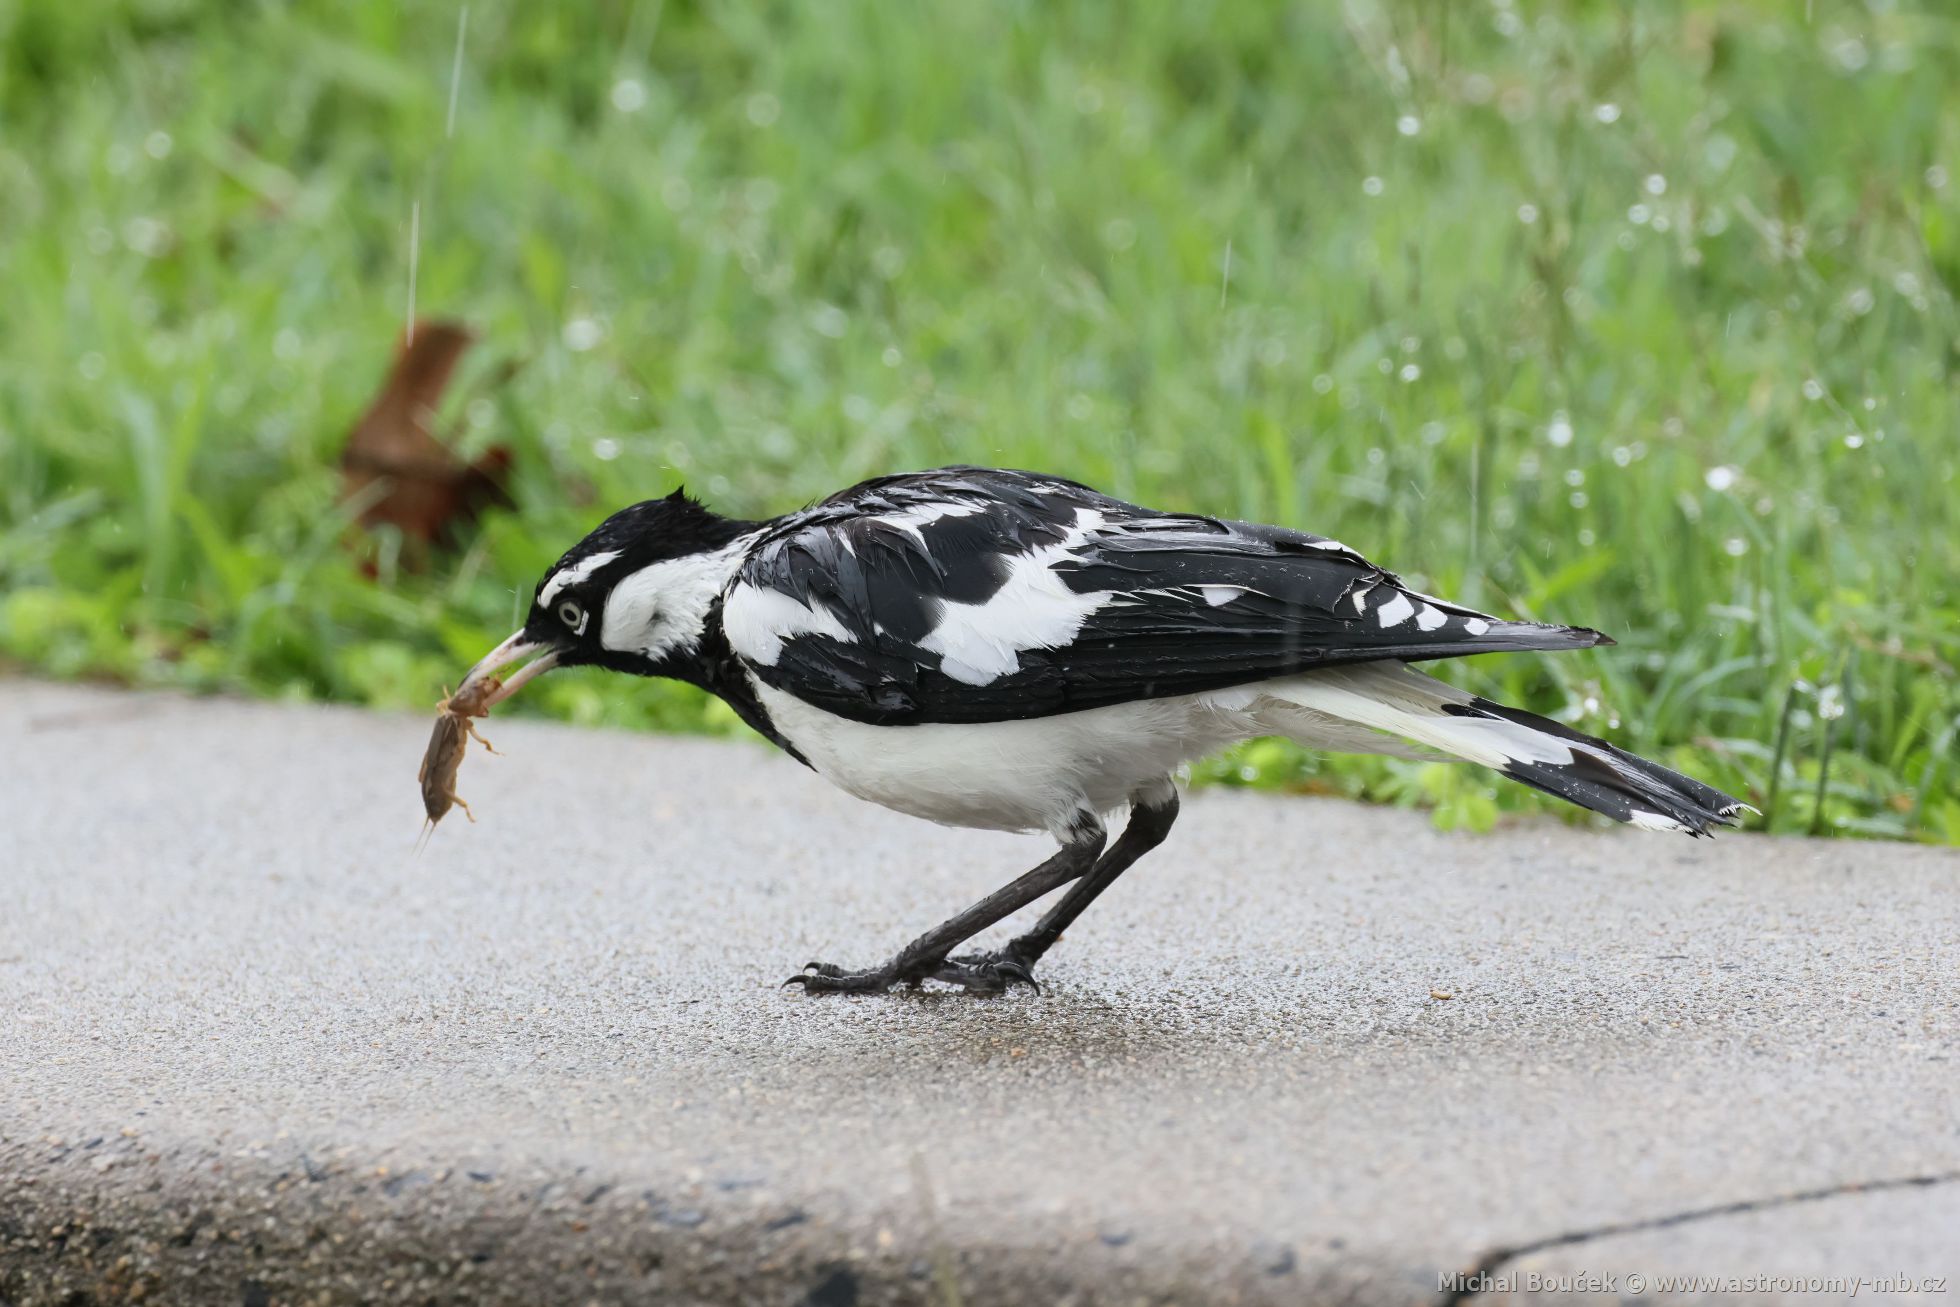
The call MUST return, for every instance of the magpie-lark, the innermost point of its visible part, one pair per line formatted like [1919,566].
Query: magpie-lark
[1013,651]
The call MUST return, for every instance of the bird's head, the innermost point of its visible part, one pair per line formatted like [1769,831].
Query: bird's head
[632,596]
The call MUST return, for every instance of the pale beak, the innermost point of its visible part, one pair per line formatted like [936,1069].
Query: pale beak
[515,649]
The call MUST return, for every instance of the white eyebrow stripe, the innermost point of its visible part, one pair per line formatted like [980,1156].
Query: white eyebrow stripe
[572,575]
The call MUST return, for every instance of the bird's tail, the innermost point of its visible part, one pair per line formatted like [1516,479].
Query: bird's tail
[1395,698]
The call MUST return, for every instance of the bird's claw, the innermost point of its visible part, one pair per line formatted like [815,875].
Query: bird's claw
[979,974]
[987,973]
[829,978]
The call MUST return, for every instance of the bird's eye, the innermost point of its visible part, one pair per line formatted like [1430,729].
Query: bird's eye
[571,614]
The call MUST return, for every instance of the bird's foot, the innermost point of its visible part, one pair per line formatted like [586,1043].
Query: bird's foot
[992,972]
[981,974]
[829,978]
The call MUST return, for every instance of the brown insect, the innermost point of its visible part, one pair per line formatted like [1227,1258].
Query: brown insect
[449,740]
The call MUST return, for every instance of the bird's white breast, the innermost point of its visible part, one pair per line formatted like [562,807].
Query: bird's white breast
[1034,774]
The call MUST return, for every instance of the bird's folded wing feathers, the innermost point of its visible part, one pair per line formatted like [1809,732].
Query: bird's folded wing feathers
[967,595]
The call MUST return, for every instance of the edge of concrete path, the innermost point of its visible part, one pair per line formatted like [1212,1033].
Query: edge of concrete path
[116,1220]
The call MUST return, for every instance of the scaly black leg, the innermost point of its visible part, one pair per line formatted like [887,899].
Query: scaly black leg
[925,956]
[1151,816]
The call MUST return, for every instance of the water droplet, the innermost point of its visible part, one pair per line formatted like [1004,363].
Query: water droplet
[763,108]
[1935,177]
[1607,113]
[1527,213]
[1721,478]
[628,96]
[1559,433]
[1578,499]
[605,449]
[891,357]
[1859,302]
[1813,389]
[1830,703]
[581,334]
[829,320]
[1735,546]
[1655,184]
[1410,372]
[157,145]
[1371,186]
[1587,538]
[1854,441]
[1119,233]
[1377,456]
[1622,456]
[1408,124]
[1638,214]
[1574,477]
[1322,383]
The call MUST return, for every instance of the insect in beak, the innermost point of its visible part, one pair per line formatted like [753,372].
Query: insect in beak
[476,692]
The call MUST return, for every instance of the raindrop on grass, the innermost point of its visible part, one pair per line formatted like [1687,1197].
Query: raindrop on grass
[1638,214]
[829,320]
[1606,113]
[1854,441]
[157,145]
[581,334]
[1559,433]
[1408,124]
[1721,478]
[605,449]
[1527,213]
[1371,186]
[1410,372]
[1813,389]
[628,96]
[1735,546]
[1655,184]
[763,109]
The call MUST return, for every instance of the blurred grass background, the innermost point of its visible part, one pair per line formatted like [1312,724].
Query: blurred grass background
[1639,316]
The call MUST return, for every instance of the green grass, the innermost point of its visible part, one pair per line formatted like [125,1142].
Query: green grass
[1639,316]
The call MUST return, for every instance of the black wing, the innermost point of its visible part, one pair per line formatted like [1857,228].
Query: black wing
[973,595]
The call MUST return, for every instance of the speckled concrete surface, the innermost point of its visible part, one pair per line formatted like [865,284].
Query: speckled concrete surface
[253,1049]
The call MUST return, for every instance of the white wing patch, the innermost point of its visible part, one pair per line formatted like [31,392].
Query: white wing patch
[919,516]
[1215,595]
[1475,625]
[979,643]
[757,620]
[1395,612]
[1429,617]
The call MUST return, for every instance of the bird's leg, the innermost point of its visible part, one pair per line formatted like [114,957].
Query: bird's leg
[925,956]
[1151,815]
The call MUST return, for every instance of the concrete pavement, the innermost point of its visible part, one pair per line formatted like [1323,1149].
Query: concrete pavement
[254,1050]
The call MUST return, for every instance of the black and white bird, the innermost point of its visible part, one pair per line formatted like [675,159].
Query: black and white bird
[1012,651]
